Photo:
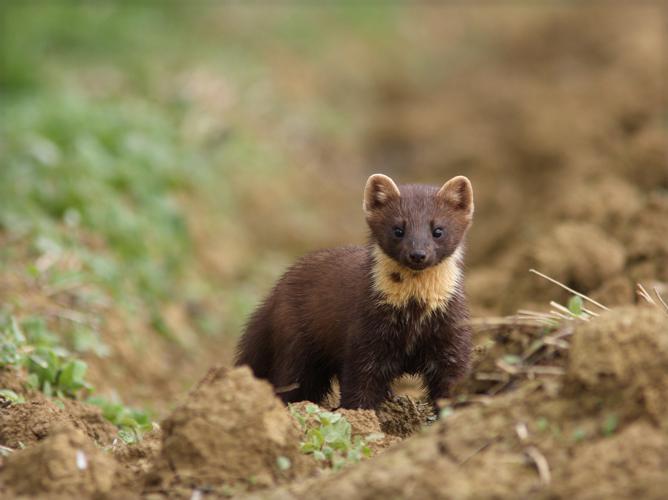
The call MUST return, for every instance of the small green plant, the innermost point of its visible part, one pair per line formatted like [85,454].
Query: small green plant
[50,367]
[329,437]
[579,435]
[11,396]
[575,305]
[446,412]
[542,424]
[132,423]
[283,463]
[610,424]
[30,345]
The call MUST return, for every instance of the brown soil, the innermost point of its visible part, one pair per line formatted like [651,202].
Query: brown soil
[631,464]
[25,424]
[624,356]
[542,436]
[135,462]
[65,464]
[557,116]
[542,439]
[227,436]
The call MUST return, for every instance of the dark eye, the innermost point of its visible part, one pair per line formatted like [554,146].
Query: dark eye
[398,232]
[437,232]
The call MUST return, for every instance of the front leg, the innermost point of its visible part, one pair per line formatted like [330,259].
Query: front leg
[363,387]
[439,382]
[452,354]
[370,366]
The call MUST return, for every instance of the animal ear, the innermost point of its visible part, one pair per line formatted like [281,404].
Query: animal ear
[379,190]
[457,193]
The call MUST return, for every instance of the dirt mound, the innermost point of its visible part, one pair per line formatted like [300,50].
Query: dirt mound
[66,463]
[89,419]
[24,424]
[629,465]
[135,461]
[624,355]
[228,435]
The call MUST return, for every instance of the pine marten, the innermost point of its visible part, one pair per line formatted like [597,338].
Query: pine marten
[368,314]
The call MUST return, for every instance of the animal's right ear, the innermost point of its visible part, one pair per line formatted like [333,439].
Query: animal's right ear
[379,190]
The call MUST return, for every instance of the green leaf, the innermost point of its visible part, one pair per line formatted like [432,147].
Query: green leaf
[11,396]
[72,376]
[311,409]
[128,435]
[542,424]
[579,435]
[610,424]
[447,412]
[575,305]
[308,448]
[283,463]
[33,381]
[39,361]
[17,334]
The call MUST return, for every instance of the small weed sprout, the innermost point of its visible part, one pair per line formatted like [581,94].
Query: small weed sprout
[610,425]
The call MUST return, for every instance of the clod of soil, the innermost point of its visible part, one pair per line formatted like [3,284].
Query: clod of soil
[66,463]
[623,354]
[228,436]
[402,416]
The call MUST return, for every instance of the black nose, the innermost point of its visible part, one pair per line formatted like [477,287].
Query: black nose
[417,257]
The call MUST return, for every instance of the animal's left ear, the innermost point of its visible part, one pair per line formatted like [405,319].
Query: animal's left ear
[457,193]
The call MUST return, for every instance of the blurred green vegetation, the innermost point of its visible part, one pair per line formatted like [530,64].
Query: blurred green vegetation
[104,154]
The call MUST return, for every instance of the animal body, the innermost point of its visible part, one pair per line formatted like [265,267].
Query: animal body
[368,314]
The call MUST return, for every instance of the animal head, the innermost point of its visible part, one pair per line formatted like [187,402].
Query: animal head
[418,226]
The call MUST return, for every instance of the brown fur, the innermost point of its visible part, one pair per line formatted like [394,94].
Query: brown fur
[370,314]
